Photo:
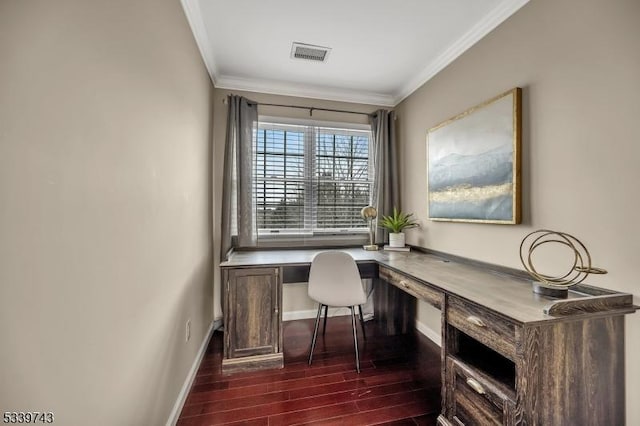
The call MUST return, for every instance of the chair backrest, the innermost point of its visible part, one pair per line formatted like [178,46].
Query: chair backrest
[334,280]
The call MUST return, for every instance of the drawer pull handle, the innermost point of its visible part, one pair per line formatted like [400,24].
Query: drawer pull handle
[473,384]
[476,321]
[404,284]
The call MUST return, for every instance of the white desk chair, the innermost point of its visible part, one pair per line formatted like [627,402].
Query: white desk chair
[334,280]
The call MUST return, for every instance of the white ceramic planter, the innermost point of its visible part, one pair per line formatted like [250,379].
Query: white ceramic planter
[396,239]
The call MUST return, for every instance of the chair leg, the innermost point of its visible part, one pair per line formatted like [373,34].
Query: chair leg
[315,333]
[355,337]
[364,333]
[324,325]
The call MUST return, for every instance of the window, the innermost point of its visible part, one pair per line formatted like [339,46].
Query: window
[310,179]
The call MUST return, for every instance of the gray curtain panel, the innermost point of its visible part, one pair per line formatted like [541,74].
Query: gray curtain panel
[237,189]
[386,192]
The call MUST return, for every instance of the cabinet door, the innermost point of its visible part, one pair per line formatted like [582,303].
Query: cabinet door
[252,312]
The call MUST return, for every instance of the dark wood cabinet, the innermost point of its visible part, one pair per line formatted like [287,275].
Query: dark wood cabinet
[509,356]
[252,317]
[563,371]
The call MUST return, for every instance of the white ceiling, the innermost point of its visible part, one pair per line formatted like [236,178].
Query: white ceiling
[382,50]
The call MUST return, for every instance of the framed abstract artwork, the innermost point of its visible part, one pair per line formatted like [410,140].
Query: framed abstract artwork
[473,163]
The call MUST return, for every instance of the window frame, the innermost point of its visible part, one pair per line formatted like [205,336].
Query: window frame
[312,233]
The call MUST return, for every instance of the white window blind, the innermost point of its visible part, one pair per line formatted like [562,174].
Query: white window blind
[311,180]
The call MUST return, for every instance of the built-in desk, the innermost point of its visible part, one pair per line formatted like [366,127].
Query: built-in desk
[509,356]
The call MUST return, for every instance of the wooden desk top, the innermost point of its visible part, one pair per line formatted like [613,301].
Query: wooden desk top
[505,294]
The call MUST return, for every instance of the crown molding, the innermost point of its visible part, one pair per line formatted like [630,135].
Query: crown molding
[303,90]
[494,18]
[194,17]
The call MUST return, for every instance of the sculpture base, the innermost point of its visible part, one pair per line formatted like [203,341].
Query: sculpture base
[370,247]
[560,293]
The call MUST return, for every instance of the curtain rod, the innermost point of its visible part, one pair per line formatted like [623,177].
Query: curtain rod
[311,109]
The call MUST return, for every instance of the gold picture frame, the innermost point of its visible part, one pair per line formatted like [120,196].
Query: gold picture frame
[473,163]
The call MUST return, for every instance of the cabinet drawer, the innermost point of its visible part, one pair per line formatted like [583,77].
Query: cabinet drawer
[492,330]
[476,399]
[411,286]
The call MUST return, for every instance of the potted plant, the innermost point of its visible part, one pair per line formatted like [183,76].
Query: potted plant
[396,224]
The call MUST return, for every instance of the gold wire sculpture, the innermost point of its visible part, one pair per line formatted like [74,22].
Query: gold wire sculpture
[576,273]
[369,213]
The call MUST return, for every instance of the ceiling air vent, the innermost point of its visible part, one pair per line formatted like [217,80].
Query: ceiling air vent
[309,52]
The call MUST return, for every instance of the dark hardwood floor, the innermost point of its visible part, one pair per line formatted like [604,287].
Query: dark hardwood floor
[399,383]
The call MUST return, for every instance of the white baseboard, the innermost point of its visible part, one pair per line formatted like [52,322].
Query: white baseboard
[217,323]
[186,387]
[431,335]
[312,313]
[296,315]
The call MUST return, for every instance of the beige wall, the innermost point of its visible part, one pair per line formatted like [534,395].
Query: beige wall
[105,206]
[295,299]
[578,63]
